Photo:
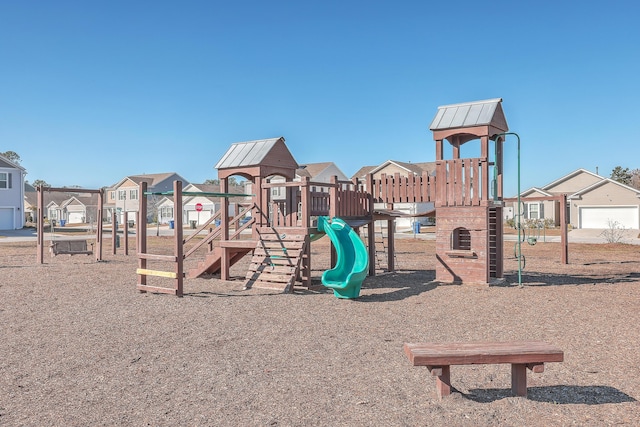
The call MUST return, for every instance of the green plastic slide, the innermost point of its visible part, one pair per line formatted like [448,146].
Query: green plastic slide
[353,260]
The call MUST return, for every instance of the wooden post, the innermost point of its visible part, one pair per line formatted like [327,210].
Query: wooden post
[305,196]
[443,379]
[125,235]
[499,165]
[114,232]
[40,225]
[141,232]
[486,195]
[519,379]
[371,237]
[178,233]
[391,247]
[99,219]
[564,240]
[333,197]
[225,262]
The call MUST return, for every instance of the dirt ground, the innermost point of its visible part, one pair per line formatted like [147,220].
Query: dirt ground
[80,346]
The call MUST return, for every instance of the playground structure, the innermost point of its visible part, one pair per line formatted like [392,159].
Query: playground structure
[66,246]
[467,193]
[281,228]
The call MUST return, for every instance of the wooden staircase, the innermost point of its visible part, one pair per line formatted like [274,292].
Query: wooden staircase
[213,261]
[277,258]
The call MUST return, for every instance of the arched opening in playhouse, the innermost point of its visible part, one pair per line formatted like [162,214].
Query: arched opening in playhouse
[461,239]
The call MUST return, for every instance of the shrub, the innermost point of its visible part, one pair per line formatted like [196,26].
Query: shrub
[614,233]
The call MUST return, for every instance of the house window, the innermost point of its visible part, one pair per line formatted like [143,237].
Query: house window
[133,194]
[461,239]
[113,195]
[277,192]
[122,194]
[166,212]
[534,210]
[5,180]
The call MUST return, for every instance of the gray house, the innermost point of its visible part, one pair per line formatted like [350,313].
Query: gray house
[593,201]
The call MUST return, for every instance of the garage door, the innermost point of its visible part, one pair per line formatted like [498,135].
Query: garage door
[600,217]
[200,217]
[75,217]
[6,219]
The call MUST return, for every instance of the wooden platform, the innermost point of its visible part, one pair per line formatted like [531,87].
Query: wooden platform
[522,355]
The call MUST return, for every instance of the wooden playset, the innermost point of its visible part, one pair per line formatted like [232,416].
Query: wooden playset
[467,193]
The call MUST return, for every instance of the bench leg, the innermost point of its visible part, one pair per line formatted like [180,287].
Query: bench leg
[519,379]
[443,379]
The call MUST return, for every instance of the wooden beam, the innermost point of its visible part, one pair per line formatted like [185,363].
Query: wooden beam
[158,273]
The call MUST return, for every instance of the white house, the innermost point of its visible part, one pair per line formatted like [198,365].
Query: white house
[11,195]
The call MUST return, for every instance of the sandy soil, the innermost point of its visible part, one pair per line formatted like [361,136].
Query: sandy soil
[80,346]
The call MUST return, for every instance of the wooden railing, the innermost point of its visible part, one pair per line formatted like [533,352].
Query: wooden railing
[462,182]
[343,199]
[403,189]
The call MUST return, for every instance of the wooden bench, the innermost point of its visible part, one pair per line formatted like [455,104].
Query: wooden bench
[522,355]
[70,247]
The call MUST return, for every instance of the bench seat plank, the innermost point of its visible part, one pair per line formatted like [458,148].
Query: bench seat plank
[523,352]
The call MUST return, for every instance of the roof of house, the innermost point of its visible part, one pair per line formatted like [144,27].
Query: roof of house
[468,114]
[315,169]
[6,163]
[31,197]
[416,168]
[535,190]
[363,172]
[86,200]
[604,181]
[151,179]
[569,176]
[214,188]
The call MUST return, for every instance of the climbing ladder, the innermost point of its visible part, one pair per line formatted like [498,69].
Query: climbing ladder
[493,244]
[277,258]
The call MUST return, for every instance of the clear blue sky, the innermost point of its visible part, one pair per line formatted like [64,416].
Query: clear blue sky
[91,92]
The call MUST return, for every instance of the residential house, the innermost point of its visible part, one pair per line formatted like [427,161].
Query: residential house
[11,195]
[30,205]
[316,172]
[391,167]
[66,208]
[123,198]
[593,201]
[198,209]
